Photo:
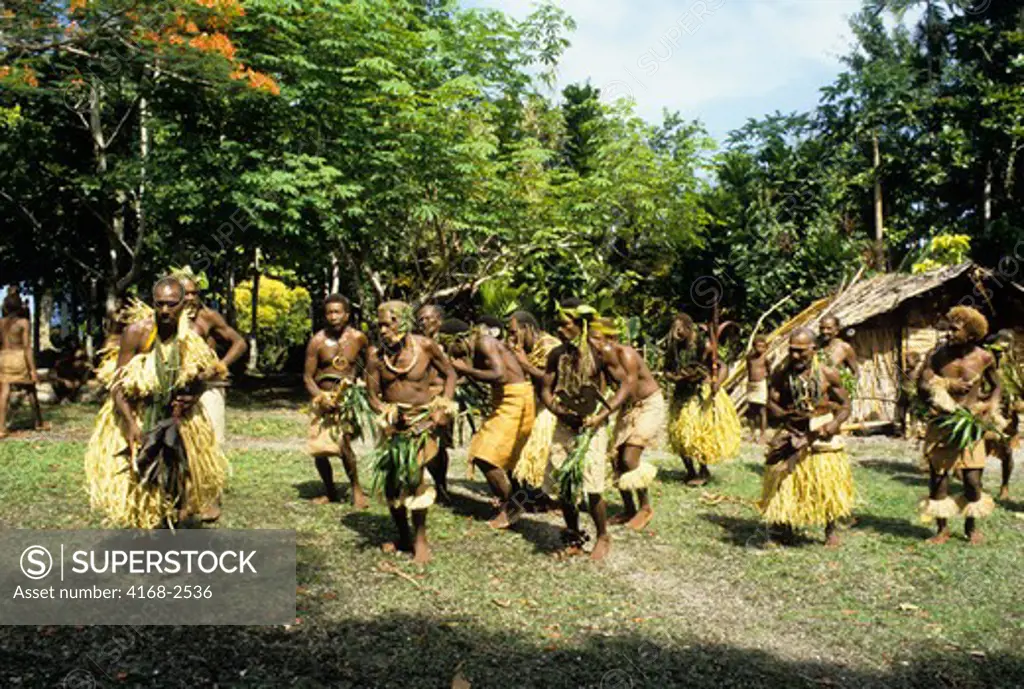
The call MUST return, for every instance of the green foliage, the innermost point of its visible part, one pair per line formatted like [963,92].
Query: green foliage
[944,250]
[282,319]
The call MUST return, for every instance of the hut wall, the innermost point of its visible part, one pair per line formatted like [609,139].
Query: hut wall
[877,344]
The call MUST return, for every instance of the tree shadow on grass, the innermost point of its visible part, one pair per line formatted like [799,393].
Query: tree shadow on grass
[903,472]
[422,650]
[751,533]
[902,528]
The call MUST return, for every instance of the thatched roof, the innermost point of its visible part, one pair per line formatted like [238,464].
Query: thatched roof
[884,293]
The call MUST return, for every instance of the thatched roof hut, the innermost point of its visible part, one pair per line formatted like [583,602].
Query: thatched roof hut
[891,320]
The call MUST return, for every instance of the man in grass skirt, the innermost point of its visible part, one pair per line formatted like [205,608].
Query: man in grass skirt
[955,377]
[153,459]
[340,408]
[399,375]
[573,391]
[1011,381]
[807,479]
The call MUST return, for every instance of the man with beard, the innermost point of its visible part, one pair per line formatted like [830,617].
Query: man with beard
[807,479]
[340,404]
[641,408]
[153,457]
[496,447]
[952,382]
[573,390]
[400,375]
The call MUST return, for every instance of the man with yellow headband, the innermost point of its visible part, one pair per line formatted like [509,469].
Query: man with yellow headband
[642,412]
[340,404]
[953,381]
[153,458]
[574,390]
[400,375]
[496,447]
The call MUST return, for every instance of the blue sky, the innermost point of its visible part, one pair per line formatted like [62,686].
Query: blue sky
[722,61]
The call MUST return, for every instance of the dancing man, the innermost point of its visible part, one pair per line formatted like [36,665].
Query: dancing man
[642,413]
[429,319]
[496,447]
[573,390]
[807,479]
[153,458]
[400,375]
[704,426]
[340,404]
[1011,381]
[952,382]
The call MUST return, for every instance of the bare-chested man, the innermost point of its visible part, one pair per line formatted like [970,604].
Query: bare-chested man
[839,354]
[400,377]
[212,327]
[807,480]
[642,414]
[1011,374]
[17,363]
[335,359]
[429,318]
[152,460]
[573,390]
[953,381]
[704,427]
[757,388]
[496,447]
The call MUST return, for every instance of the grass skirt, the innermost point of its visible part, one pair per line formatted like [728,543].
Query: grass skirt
[819,490]
[533,460]
[114,488]
[703,431]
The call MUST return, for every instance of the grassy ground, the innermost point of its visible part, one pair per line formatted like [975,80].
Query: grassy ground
[697,600]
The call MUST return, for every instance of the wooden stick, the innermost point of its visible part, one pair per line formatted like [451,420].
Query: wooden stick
[760,321]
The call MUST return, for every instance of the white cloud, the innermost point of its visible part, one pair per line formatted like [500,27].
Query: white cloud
[693,55]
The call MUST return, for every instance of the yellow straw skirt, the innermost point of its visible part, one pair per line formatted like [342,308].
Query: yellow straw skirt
[533,460]
[705,432]
[115,490]
[819,490]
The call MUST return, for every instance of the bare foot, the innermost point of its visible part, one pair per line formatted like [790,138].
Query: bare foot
[601,548]
[443,498]
[620,519]
[210,513]
[3,434]
[940,538]
[359,500]
[641,519]
[500,522]
[421,553]
[832,541]
[976,538]
[568,552]
[43,426]
[1004,492]
[696,482]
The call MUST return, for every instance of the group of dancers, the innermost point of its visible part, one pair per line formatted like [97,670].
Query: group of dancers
[566,413]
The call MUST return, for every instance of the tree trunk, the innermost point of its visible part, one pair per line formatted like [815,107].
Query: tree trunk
[335,274]
[44,316]
[254,306]
[986,197]
[229,307]
[879,226]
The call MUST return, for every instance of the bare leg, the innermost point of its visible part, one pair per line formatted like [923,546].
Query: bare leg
[831,538]
[348,460]
[420,549]
[438,468]
[323,466]
[703,477]
[404,541]
[1005,454]
[631,455]
[497,479]
[764,425]
[691,471]
[599,513]
[972,491]
[36,410]
[5,397]
[938,489]
[628,504]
